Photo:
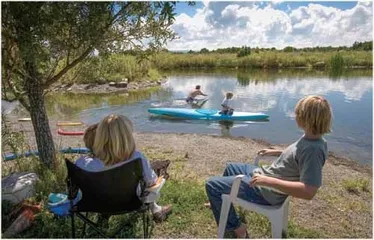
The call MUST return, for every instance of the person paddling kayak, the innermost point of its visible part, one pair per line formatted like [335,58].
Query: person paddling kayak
[194,93]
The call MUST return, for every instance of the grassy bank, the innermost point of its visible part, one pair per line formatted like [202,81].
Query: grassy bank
[113,68]
[116,67]
[190,218]
[265,59]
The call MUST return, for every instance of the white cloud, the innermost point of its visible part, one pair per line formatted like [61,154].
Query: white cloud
[226,24]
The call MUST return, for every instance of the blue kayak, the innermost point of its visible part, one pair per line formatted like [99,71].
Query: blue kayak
[207,114]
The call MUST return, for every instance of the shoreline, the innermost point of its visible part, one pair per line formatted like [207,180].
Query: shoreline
[77,141]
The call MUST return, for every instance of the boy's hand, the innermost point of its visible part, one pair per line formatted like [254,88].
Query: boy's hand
[265,152]
[260,180]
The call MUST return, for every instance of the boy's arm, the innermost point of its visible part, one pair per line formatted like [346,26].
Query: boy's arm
[295,189]
[270,152]
[201,93]
[311,162]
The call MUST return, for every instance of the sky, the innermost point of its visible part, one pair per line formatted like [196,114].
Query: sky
[269,24]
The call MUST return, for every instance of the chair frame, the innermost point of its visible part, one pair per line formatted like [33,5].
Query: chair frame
[277,214]
[74,211]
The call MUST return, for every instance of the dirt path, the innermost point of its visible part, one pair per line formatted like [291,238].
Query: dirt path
[335,210]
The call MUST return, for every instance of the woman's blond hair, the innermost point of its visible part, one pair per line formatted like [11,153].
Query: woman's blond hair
[89,136]
[313,114]
[114,141]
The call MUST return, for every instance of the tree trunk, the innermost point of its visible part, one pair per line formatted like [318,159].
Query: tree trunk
[39,118]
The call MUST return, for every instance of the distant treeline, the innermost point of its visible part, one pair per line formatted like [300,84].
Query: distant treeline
[135,66]
[357,46]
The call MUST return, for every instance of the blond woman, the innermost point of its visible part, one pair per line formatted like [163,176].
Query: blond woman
[113,146]
[296,172]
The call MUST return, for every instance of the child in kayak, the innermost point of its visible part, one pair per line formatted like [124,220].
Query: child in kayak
[194,93]
[226,105]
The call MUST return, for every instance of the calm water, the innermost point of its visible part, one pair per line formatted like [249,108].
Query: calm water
[274,93]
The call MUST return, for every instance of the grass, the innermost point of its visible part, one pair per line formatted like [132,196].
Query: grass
[265,59]
[190,218]
[116,67]
[185,190]
[356,185]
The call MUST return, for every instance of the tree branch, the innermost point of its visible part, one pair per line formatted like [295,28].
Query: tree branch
[69,66]
[53,79]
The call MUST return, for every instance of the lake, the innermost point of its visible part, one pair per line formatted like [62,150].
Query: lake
[272,92]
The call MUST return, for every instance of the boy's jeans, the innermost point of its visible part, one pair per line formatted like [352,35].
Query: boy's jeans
[216,186]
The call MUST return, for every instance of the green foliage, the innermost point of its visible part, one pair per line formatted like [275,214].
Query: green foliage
[356,185]
[288,49]
[244,51]
[204,50]
[265,59]
[365,46]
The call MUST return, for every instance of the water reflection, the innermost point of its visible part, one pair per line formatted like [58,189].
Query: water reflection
[70,104]
[225,128]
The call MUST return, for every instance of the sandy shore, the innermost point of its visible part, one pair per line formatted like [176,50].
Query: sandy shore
[334,210]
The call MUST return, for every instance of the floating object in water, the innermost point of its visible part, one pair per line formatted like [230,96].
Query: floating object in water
[24,119]
[77,150]
[69,133]
[207,114]
[69,123]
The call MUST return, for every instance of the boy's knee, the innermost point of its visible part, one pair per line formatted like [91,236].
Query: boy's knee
[211,184]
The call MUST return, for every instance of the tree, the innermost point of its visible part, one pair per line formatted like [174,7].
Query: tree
[288,49]
[204,50]
[42,41]
[244,51]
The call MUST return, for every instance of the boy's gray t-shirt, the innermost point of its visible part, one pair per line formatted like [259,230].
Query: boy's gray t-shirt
[301,161]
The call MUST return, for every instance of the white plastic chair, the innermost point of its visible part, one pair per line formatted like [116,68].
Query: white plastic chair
[277,214]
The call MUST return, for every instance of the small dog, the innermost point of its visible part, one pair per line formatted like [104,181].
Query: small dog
[160,167]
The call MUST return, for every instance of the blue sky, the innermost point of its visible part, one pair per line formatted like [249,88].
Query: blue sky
[271,24]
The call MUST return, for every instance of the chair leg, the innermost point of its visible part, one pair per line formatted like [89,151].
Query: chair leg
[276,225]
[92,224]
[226,203]
[72,226]
[84,226]
[285,218]
[144,225]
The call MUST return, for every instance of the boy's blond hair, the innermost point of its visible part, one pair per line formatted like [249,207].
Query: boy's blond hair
[229,94]
[313,114]
[114,141]
[89,136]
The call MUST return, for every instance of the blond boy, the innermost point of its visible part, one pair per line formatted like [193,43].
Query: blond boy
[296,172]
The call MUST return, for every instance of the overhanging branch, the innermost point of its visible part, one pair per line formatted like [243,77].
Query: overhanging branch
[69,66]
[53,79]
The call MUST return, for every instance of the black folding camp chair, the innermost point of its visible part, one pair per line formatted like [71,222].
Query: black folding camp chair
[109,192]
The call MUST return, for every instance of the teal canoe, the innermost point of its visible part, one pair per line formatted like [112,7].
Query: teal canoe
[207,114]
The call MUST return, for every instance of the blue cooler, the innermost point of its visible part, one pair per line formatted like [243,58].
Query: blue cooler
[59,204]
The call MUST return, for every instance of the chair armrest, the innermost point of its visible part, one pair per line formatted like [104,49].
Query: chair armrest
[235,186]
